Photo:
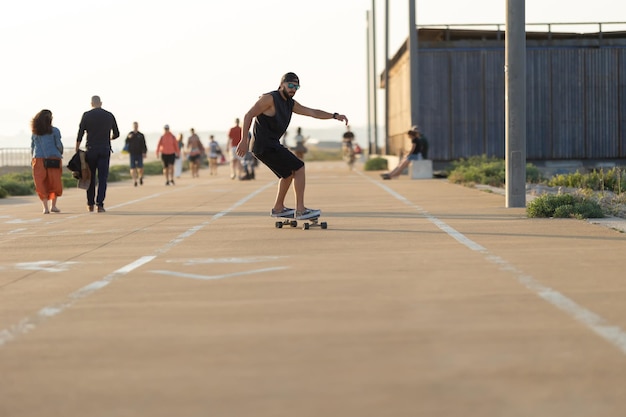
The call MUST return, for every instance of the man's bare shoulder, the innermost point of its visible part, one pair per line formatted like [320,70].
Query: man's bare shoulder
[265,104]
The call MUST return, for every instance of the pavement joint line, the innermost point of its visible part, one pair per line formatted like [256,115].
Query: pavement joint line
[28,324]
[596,323]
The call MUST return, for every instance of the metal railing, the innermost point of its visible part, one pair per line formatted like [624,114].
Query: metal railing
[21,157]
[15,157]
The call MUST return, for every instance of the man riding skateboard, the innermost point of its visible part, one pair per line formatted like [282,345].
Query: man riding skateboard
[272,114]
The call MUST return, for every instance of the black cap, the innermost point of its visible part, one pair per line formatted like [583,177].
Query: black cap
[290,77]
[414,129]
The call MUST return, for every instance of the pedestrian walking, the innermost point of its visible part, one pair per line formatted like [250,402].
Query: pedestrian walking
[101,128]
[195,150]
[168,150]
[47,151]
[137,149]
[234,136]
[214,153]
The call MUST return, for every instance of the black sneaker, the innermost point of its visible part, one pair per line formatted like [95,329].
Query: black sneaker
[141,181]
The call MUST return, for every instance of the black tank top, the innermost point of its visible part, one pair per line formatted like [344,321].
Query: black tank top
[268,130]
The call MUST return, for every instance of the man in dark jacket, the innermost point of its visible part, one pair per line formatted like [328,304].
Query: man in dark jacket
[101,128]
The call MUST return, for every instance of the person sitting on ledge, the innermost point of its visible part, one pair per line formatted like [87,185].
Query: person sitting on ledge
[419,151]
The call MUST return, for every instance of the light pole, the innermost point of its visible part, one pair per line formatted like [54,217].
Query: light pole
[369,82]
[515,103]
[414,81]
[374,89]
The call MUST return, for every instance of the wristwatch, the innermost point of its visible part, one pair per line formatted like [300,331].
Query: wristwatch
[335,115]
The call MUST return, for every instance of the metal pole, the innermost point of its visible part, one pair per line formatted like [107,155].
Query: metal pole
[515,103]
[413,63]
[369,84]
[374,91]
[386,76]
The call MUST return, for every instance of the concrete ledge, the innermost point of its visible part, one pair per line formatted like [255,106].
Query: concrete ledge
[421,169]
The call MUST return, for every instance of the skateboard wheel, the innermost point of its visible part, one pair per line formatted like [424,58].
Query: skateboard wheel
[306,226]
[293,223]
[323,225]
[279,225]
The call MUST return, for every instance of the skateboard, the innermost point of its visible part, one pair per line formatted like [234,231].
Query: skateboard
[314,222]
[308,223]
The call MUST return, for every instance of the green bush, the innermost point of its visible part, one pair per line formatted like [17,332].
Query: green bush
[22,177]
[565,211]
[122,172]
[486,170]
[68,180]
[375,164]
[599,180]
[13,187]
[156,168]
[18,183]
[564,206]
[533,175]
[321,154]
[21,183]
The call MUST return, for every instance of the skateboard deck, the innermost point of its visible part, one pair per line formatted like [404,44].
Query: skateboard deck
[308,223]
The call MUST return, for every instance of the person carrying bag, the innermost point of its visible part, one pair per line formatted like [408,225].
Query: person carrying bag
[47,152]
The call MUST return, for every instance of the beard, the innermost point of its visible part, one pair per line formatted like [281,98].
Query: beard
[285,93]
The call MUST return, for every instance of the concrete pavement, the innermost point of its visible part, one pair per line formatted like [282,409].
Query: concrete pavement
[422,298]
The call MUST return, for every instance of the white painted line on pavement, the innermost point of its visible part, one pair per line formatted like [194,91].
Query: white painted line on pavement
[245,260]
[212,277]
[48,266]
[28,324]
[596,323]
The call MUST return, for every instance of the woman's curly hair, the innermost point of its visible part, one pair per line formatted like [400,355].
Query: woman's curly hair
[42,123]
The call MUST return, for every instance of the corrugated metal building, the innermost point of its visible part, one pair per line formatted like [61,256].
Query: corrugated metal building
[576,94]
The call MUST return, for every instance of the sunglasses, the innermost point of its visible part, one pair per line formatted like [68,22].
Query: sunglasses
[292,85]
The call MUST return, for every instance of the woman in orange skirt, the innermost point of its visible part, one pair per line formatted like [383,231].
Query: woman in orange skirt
[46,145]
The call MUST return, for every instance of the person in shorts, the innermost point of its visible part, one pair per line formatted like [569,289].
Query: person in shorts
[271,114]
[137,149]
[419,148]
[168,150]
[195,150]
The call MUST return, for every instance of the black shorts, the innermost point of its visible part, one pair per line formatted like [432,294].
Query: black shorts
[168,159]
[280,160]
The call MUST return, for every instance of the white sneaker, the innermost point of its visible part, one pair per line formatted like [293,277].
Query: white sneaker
[308,214]
[285,212]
